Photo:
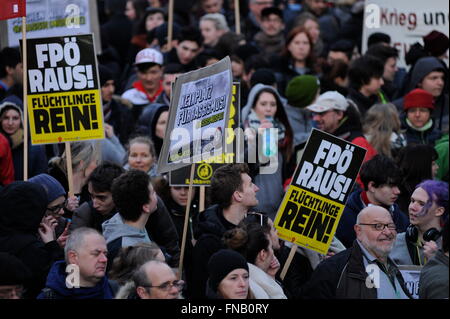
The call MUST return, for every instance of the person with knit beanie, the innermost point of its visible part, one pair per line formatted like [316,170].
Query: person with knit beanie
[56,200]
[228,276]
[418,106]
[436,43]
[301,92]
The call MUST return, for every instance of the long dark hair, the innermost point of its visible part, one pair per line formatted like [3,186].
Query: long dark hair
[285,145]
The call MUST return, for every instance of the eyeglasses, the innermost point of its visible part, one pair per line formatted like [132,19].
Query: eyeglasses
[381,227]
[179,284]
[55,209]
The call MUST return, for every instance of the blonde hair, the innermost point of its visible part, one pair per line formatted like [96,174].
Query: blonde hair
[142,140]
[85,151]
[380,121]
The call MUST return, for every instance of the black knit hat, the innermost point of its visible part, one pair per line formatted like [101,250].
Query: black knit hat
[221,264]
[105,74]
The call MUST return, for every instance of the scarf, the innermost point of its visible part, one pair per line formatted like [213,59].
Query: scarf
[254,122]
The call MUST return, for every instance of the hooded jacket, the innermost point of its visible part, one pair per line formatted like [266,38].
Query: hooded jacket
[23,204]
[160,227]
[55,287]
[211,227]
[422,68]
[118,234]
[148,120]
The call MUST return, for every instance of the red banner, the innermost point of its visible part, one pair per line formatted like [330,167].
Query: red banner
[10,9]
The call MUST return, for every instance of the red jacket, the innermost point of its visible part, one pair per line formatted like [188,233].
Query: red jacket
[6,163]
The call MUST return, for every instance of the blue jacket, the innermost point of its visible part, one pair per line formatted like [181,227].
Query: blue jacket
[56,288]
[345,232]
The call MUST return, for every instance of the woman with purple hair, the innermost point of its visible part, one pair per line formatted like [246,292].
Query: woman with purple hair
[428,211]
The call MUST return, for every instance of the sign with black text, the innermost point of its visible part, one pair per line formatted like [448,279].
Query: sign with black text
[313,204]
[205,170]
[198,116]
[64,101]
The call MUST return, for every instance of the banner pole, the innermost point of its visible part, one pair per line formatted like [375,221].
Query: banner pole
[170,26]
[288,261]
[69,169]
[202,198]
[237,16]
[25,108]
[186,221]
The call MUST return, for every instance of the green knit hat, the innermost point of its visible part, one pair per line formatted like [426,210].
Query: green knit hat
[302,90]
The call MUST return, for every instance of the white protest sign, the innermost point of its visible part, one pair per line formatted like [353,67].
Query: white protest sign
[405,21]
[198,115]
[50,18]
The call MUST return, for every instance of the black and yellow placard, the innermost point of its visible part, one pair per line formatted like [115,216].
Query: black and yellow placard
[64,101]
[313,204]
[204,170]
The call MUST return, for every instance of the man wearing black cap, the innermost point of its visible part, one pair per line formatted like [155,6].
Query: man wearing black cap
[115,113]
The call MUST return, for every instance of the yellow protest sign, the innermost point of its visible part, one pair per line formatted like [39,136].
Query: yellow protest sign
[64,101]
[313,204]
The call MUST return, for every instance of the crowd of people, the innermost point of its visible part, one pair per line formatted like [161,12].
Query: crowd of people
[300,66]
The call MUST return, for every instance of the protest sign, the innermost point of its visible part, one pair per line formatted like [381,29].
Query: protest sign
[51,18]
[64,101]
[12,9]
[411,275]
[312,206]
[204,171]
[405,21]
[198,116]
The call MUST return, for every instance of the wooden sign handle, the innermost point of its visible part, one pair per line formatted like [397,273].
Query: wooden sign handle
[186,222]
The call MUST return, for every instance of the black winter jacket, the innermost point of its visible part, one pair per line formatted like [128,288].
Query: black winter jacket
[211,227]
[22,206]
[343,276]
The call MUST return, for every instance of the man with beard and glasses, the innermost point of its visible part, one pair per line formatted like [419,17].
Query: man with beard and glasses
[365,270]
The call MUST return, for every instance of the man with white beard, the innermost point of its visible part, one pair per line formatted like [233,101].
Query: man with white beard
[365,270]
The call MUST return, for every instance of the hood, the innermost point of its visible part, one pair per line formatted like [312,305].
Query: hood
[115,228]
[423,67]
[209,222]
[56,280]
[23,204]
[251,97]
[150,115]
[147,122]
